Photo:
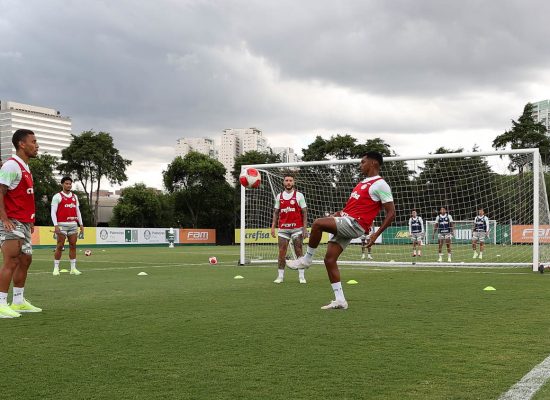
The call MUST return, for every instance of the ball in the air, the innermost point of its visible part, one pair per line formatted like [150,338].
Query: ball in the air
[88,253]
[250,178]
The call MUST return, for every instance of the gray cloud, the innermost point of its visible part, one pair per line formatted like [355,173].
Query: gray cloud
[150,72]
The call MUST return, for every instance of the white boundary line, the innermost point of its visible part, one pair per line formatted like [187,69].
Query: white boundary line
[530,384]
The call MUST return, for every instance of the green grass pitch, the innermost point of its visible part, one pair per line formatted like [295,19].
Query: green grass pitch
[189,330]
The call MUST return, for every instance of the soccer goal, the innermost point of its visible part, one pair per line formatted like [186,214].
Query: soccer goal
[508,185]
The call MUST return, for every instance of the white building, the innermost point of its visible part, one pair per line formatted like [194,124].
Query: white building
[236,142]
[286,154]
[541,113]
[53,131]
[201,145]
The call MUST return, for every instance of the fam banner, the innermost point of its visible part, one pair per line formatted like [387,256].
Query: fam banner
[197,236]
[524,234]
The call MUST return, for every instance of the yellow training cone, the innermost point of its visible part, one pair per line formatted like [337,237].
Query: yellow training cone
[489,288]
[352,282]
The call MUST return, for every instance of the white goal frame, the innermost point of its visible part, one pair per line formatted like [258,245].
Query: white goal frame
[536,197]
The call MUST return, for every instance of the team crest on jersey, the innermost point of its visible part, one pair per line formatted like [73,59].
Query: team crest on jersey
[363,187]
[292,202]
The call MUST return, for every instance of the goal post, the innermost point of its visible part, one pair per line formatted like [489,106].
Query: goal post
[508,185]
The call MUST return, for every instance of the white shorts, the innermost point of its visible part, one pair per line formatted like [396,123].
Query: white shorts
[479,236]
[290,234]
[444,236]
[22,232]
[347,228]
[67,229]
[417,237]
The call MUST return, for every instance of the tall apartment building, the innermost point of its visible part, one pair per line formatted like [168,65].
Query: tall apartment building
[52,130]
[541,113]
[286,154]
[201,145]
[236,142]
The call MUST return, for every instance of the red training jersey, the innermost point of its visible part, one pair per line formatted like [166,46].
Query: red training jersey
[66,209]
[361,206]
[19,202]
[290,213]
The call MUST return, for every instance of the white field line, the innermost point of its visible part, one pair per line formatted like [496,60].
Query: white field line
[526,388]
[167,265]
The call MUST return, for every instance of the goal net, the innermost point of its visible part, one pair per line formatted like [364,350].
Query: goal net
[508,185]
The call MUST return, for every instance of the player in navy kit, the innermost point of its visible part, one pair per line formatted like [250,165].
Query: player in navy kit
[444,228]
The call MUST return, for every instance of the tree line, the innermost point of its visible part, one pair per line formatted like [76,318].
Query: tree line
[196,194]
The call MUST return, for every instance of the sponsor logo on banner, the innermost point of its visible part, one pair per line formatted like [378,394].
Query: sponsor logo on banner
[195,236]
[264,236]
[402,235]
[524,234]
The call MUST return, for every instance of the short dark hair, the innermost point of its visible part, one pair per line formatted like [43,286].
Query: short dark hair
[288,174]
[374,155]
[65,179]
[20,135]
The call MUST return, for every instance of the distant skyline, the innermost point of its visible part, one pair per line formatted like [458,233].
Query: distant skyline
[420,75]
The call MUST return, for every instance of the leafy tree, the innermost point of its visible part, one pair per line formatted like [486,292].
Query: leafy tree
[140,206]
[91,157]
[45,186]
[525,133]
[202,196]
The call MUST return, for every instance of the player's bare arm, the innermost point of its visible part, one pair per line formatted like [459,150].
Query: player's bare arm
[8,225]
[389,211]
[274,222]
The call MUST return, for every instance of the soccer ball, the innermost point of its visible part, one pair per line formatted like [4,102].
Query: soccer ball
[250,178]
[213,260]
[88,253]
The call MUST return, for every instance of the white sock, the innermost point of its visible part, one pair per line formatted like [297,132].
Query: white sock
[338,291]
[3,299]
[310,252]
[56,264]
[18,295]
[414,252]
[281,273]
[301,273]
[73,263]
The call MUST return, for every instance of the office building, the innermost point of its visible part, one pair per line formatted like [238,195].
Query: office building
[52,130]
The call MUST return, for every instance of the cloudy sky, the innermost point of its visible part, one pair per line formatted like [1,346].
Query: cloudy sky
[419,74]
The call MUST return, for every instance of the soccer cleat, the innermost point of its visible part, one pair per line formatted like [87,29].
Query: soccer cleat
[362,256]
[7,312]
[336,305]
[74,271]
[278,280]
[419,254]
[55,272]
[414,254]
[440,259]
[449,259]
[480,256]
[369,257]
[25,307]
[475,255]
[299,263]
[303,280]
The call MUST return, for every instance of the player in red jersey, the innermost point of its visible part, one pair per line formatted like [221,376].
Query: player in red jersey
[363,205]
[17,211]
[290,216]
[66,218]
